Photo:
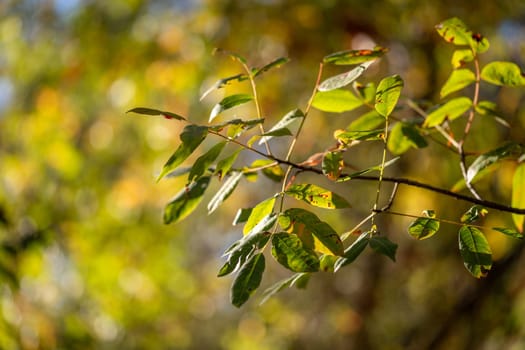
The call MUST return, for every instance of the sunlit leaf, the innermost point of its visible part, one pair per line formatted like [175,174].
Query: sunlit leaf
[475,251]
[344,79]
[459,79]
[202,163]
[327,263]
[336,101]
[383,245]
[503,73]
[368,170]
[236,126]
[289,251]
[368,121]
[518,195]
[314,233]
[509,232]
[155,112]
[474,213]
[275,172]
[451,110]
[259,212]
[423,228]
[242,216]
[461,57]
[296,279]
[387,94]
[219,84]
[225,191]
[354,56]
[489,108]
[346,137]
[332,165]
[404,136]
[353,251]
[191,137]
[281,128]
[366,92]
[248,280]
[317,196]
[186,200]
[489,158]
[274,64]
[228,103]
[456,32]
[242,250]
[225,164]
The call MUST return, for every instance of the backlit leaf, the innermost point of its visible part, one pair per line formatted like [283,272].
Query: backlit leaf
[236,126]
[489,158]
[368,170]
[366,92]
[332,165]
[509,232]
[404,136]
[274,64]
[387,94]
[219,84]
[202,163]
[456,32]
[346,137]
[423,228]
[259,212]
[518,195]
[353,251]
[228,103]
[275,172]
[461,57]
[503,73]
[459,79]
[354,56]
[191,137]
[451,110]
[383,245]
[281,128]
[489,108]
[289,251]
[344,79]
[225,191]
[242,216]
[474,213]
[155,112]
[296,279]
[475,251]
[248,280]
[186,200]
[368,121]
[336,101]
[317,196]
[225,164]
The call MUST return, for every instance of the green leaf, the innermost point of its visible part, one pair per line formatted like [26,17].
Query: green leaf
[289,251]
[475,251]
[202,163]
[191,137]
[383,245]
[274,173]
[327,263]
[259,212]
[314,233]
[387,94]
[242,216]
[518,195]
[489,158]
[423,228]
[503,73]
[368,170]
[219,84]
[353,251]
[332,165]
[349,57]
[456,32]
[225,191]
[489,108]
[366,92]
[242,250]
[346,137]
[459,79]
[225,164]
[461,57]
[280,129]
[317,196]
[344,79]
[274,64]
[451,110]
[236,126]
[403,137]
[473,214]
[336,101]
[186,200]
[367,121]
[296,279]
[509,232]
[228,103]
[248,280]
[155,112]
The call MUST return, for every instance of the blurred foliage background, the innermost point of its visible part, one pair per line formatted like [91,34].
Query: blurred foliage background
[85,261]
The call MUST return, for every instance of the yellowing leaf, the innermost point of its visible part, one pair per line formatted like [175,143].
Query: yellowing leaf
[336,101]
[518,195]
[503,73]
[451,110]
[387,94]
[459,79]
[317,196]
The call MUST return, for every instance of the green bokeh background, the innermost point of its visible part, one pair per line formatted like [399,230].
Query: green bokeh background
[85,261]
